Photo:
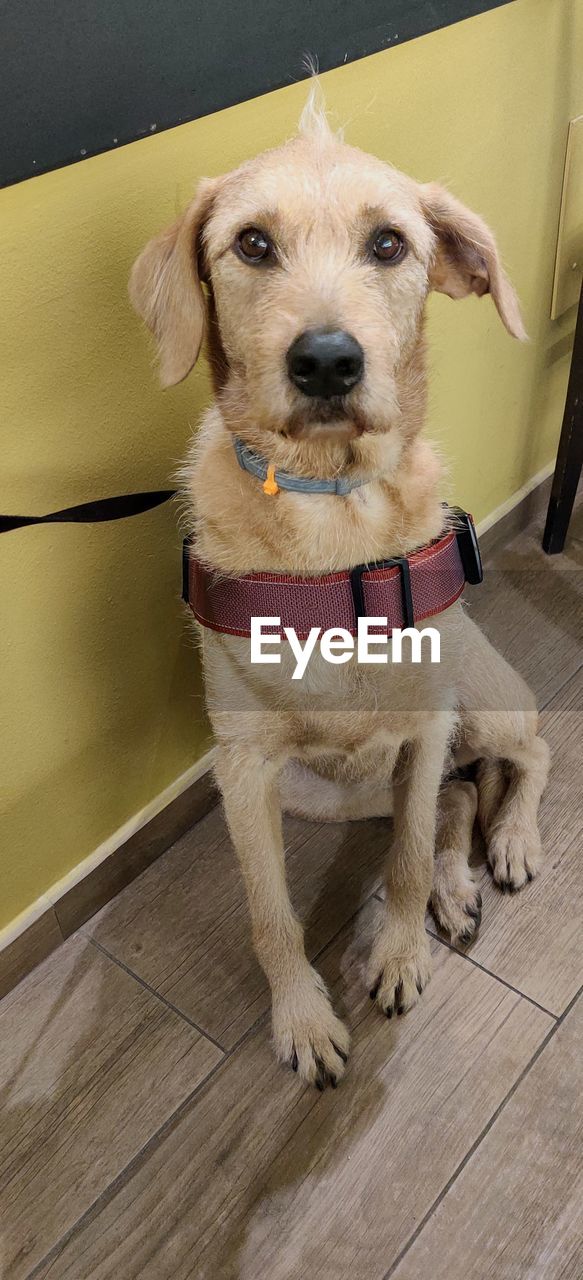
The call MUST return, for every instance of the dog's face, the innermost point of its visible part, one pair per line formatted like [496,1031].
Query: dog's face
[317,260]
[318,257]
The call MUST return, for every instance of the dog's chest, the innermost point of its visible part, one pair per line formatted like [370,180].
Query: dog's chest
[327,533]
[348,690]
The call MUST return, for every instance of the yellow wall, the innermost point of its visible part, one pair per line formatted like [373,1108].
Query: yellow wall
[99,691]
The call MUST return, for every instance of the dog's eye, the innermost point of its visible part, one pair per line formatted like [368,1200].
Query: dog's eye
[388,245]
[253,245]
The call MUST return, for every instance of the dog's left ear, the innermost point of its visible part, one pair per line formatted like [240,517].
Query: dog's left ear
[165,288]
[467,259]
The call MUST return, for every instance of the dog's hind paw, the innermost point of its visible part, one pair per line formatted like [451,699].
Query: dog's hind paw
[307,1035]
[514,856]
[457,909]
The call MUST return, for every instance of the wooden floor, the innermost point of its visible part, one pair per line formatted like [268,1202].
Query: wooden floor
[147,1131]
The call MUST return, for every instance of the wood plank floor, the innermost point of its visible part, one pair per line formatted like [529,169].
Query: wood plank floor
[146,1131]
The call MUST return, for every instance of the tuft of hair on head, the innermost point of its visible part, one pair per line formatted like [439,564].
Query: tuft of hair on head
[313,122]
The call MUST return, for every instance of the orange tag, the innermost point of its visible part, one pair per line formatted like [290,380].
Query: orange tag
[270,485]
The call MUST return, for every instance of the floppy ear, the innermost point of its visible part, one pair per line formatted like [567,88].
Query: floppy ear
[467,260]
[166,292]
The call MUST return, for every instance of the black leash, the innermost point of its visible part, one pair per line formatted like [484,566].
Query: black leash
[129,504]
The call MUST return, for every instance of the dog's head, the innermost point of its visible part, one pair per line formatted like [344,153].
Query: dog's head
[309,266]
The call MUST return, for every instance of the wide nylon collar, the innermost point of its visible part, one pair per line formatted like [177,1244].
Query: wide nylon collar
[403,590]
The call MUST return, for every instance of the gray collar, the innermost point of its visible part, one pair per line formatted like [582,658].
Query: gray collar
[256,465]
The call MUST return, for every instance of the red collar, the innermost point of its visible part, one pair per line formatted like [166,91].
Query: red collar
[403,591]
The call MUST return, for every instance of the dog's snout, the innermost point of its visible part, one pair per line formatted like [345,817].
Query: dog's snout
[325,362]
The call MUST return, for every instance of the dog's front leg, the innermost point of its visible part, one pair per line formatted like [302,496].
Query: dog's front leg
[307,1034]
[400,963]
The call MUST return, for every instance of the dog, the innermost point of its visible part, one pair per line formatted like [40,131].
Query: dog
[309,268]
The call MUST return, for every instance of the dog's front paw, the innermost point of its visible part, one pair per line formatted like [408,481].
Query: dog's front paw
[399,969]
[514,854]
[306,1032]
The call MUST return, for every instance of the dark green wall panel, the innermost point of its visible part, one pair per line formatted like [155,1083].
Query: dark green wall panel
[81,76]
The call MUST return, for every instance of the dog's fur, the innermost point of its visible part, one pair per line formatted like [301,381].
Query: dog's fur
[328,746]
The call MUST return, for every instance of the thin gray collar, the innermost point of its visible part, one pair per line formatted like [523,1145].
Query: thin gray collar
[256,465]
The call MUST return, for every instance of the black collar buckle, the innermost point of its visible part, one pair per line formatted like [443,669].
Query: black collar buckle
[187,542]
[399,562]
[467,541]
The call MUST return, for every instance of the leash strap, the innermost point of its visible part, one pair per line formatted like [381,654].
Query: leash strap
[128,504]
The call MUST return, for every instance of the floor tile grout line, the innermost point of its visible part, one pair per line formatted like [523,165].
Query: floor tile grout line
[318,954]
[464,956]
[483,969]
[190,1021]
[90,938]
[481,1136]
[157,994]
[106,1196]
[118,1182]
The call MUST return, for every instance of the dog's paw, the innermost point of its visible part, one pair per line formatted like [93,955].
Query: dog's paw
[307,1035]
[397,974]
[456,906]
[514,855]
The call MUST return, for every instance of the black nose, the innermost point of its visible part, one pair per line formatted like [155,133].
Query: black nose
[325,362]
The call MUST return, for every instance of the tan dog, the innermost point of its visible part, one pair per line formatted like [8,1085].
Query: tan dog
[318,238]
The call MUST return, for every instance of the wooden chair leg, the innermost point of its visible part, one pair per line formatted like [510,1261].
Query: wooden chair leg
[570,453]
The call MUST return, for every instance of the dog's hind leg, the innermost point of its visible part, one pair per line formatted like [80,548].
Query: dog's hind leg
[456,901]
[306,1032]
[499,724]
[492,778]
[510,794]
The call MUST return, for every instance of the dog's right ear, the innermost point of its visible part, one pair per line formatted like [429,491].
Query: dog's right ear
[166,291]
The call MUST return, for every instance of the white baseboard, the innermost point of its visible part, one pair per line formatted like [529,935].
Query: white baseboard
[114,842]
[516,498]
